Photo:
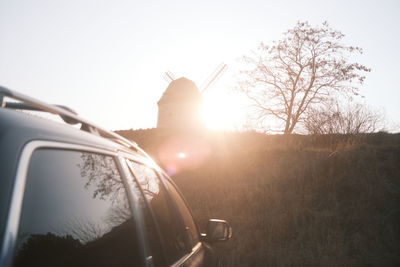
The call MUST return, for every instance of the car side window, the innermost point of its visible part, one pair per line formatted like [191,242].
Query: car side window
[163,213]
[153,247]
[75,213]
[190,225]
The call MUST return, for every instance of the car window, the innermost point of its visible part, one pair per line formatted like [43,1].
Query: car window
[154,249]
[75,213]
[163,213]
[190,225]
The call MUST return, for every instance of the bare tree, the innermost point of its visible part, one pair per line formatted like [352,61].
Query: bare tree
[307,67]
[102,176]
[83,229]
[351,118]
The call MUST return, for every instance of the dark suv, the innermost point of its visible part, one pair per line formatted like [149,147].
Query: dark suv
[85,196]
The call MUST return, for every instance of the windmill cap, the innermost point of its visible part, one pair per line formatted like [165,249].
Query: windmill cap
[181,90]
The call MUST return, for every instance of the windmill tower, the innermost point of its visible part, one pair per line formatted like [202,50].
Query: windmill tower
[180,105]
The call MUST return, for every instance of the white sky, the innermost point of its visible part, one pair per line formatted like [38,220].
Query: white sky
[106,59]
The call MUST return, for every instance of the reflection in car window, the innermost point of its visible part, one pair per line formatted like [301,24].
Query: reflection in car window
[75,213]
[190,225]
[164,215]
[152,236]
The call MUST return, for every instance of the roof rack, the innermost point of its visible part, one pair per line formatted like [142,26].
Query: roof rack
[68,115]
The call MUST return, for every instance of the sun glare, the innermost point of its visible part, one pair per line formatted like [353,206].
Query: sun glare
[222,111]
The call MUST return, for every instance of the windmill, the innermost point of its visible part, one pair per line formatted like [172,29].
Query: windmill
[180,104]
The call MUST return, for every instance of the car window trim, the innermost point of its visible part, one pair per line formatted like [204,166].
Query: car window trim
[14,212]
[149,162]
[185,258]
[191,250]
[148,207]
[181,223]
[136,211]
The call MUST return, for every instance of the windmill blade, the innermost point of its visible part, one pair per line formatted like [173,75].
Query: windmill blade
[214,76]
[169,76]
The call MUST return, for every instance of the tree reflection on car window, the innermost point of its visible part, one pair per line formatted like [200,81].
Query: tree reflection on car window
[75,213]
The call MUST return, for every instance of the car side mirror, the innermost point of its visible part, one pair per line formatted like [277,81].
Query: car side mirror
[217,230]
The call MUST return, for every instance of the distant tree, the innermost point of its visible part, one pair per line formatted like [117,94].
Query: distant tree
[47,250]
[351,118]
[309,66]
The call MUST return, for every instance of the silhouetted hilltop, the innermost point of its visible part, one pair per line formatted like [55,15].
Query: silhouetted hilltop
[294,200]
[152,139]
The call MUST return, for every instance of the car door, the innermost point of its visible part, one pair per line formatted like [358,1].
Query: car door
[167,241]
[199,254]
[75,210]
[176,230]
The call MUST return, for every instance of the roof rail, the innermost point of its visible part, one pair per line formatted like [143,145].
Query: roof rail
[68,115]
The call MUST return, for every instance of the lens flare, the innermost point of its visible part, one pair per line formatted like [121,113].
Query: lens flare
[183,152]
[181,155]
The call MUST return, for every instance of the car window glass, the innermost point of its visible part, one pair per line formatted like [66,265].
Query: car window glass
[75,213]
[190,225]
[164,215]
[154,249]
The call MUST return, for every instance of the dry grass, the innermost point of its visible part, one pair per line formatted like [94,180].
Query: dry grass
[292,202]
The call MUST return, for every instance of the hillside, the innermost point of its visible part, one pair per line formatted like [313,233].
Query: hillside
[293,200]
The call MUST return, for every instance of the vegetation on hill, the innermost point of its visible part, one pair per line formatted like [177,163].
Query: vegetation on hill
[296,200]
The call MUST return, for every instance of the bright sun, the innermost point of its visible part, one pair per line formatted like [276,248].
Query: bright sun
[222,111]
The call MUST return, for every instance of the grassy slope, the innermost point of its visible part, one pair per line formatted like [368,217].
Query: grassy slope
[292,202]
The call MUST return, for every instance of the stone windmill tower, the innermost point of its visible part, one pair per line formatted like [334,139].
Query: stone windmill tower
[180,105]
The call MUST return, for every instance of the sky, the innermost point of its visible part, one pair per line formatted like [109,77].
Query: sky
[106,59]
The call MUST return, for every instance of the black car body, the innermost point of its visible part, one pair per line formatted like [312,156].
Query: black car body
[88,197]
